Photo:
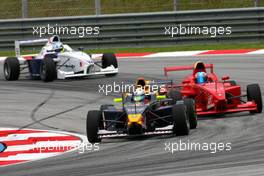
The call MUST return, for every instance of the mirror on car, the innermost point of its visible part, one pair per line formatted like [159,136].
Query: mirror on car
[161,97]
[186,82]
[118,100]
[224,78]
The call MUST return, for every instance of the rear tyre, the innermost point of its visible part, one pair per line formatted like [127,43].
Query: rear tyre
[105,106]
[109,59]
[174,95]
[191,112]
[48,70]
[180,122]
[254,94]
[92,126]
[11,68]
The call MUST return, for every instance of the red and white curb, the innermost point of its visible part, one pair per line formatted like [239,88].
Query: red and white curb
[188,53]
[183,53]
[30,144]
[205,52]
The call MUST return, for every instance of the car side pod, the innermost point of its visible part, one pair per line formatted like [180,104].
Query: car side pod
[2,147]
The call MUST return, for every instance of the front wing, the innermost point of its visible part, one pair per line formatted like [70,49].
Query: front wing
[114,134]
[109,70]
[248,106]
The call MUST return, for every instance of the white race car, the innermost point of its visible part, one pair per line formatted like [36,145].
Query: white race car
[57,61]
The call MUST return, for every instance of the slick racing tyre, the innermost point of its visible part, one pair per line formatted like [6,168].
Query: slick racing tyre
[11,68]
[174,95]
[191,112]
[181,125]
[92,125]
[48,70]
[109,59]
[105,106]
[254,94]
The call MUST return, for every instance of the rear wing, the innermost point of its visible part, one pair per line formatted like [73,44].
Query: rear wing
[24,42]
[182,68]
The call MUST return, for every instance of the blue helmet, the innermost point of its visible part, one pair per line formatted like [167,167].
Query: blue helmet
[201,77]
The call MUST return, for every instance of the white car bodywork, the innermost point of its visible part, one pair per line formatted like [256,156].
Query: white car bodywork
[70,63]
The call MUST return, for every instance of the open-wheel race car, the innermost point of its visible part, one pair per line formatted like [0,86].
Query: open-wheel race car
[211,95]
[141,114]
[57,61]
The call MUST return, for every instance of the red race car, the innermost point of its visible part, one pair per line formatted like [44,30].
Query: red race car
[213,96]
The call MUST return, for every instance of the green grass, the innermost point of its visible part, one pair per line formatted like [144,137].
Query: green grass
[165,49]
[49,8]
[10,9]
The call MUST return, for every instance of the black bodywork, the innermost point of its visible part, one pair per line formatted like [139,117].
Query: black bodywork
[155,114]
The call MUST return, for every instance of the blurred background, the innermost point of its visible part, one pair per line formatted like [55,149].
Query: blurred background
[51,8]
[132,32]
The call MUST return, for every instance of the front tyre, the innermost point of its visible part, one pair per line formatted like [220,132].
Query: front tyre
[191,112]
[92,125]
[174,95]
[109,59]
[48,70]
[181,125]
[11,68]
[254,94]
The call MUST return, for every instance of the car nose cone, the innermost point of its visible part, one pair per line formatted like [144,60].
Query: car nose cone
[2,147]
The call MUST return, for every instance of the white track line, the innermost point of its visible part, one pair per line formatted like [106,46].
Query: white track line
[176,54]
[44,144]
[261,51]
[27,135]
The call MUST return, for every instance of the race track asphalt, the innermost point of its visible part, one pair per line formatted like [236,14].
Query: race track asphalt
[63,105]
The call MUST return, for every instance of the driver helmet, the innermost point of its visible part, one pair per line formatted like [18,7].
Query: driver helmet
[56,44]
[201,77]
[139,95]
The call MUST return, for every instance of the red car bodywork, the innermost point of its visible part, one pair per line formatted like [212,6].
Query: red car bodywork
[214,96]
